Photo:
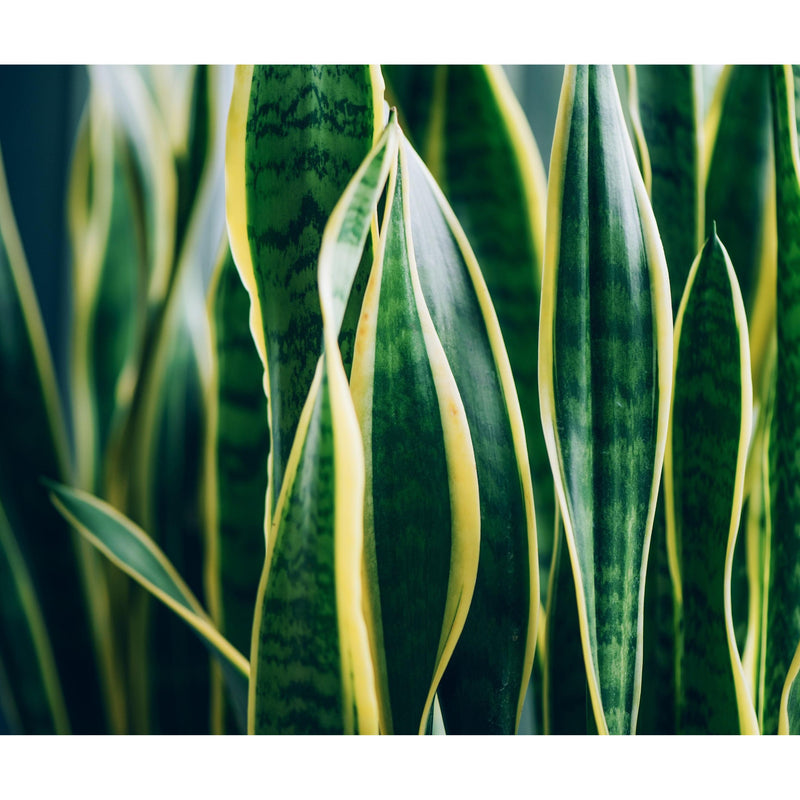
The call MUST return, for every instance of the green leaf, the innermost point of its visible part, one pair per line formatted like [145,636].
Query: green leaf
[605,358]
[471,116]
[667,102]
[34,444]
[484,685]
[129,548]
[422,512]
[739,192]
[782,630]
[296,135]
[789,719]
[27,656]
[704,473]
[313,670]
[236,460]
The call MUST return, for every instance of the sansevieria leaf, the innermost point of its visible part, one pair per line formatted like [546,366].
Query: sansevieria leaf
[471,116]
[704,473]
[422,512]
[605,367]
[782,575]
[296,135]
[312,667]
[129,547]
[237,447]
[483,687]
[789,719]
[30,670]
[33,444]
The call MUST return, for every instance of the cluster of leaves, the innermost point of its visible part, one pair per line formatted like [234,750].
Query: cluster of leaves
[410,334]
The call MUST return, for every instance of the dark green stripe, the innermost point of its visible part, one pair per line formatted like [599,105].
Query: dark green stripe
[298,679]
[605,382]
[308,130]
[668,112]
[706,428]
[783,621]
[410,489]
[482,684]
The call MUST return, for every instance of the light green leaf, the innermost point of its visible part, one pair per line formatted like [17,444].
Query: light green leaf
[605,362]
[789,719]
[129,548]
[704,474]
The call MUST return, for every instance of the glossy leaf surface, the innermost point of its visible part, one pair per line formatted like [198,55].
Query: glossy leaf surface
[605,357]
[704,474]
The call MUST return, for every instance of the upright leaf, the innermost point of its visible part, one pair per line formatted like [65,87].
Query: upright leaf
[296,135]
[789,720]
[236,460]
[471,116]
[605,357]
[704,471]
[484,685]
[782,630]
[33,444]
[422,512]
[312,667]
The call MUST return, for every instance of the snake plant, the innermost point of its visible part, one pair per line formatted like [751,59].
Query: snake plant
[376,425]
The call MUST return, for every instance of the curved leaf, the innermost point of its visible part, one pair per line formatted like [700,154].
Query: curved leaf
[704,472]
[789,719]
[129,547]
[484,685]
[296,135]
[605,357]
[313,671]
[422,513]
[34,444]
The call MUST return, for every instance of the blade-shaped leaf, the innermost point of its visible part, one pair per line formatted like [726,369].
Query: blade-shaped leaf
[740,192]
[30,670]
[313,671]
[782,631]
[422,513]
[296,135]
[34,444]
[704,471]
[129,547]
[484,685]
[789,719]
[236,460]
[605,358]
[472,117]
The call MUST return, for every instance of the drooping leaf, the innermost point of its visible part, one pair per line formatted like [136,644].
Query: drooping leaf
[129,547]
[236,460]
[704,472]
[422,512]
[34,444]
[605,357]
[296,135]
[782,630]
[313,671]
